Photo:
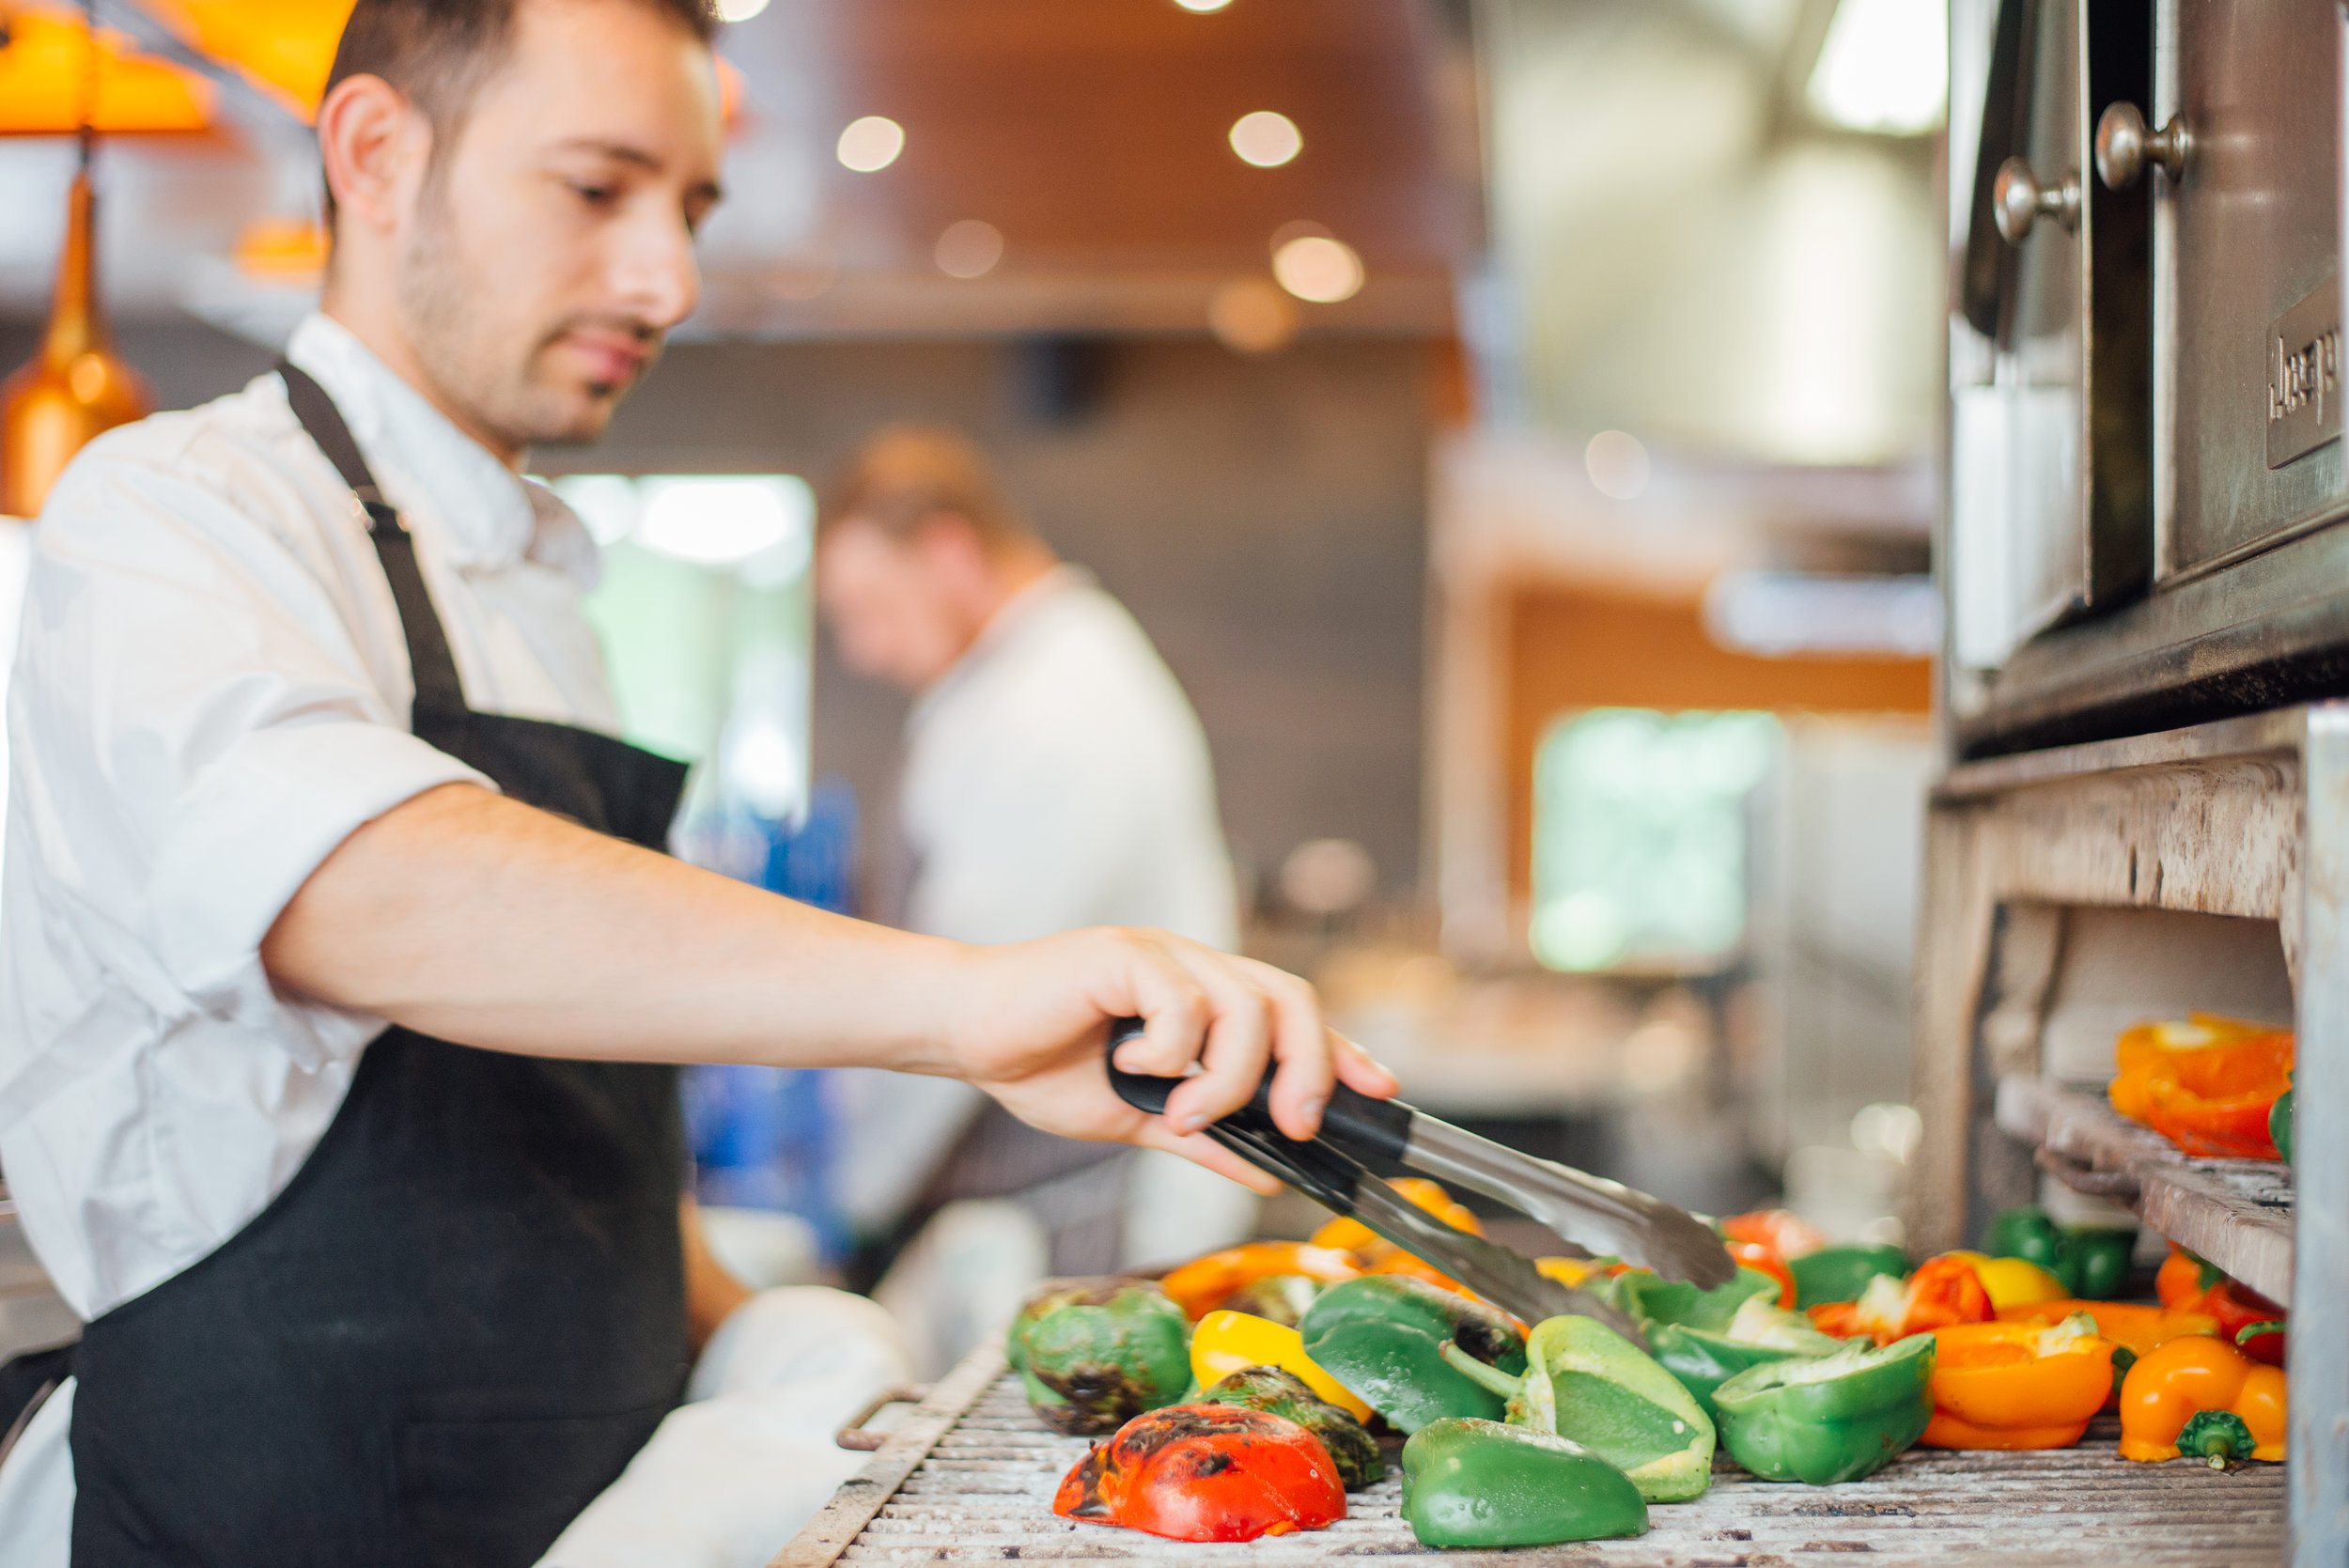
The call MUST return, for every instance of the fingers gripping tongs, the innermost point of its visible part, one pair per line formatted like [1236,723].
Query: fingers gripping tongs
[1590,1215]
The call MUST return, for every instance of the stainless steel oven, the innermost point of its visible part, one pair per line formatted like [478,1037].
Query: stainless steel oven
[2146,466]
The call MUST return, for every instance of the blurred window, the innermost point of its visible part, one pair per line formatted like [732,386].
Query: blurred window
[1641,836]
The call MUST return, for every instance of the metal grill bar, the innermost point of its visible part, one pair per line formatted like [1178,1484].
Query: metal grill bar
[979,1488]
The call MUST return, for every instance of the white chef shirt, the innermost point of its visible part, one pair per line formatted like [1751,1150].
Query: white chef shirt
[211,692]
[1055,778]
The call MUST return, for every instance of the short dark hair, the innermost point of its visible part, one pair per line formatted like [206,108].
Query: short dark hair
[909,473]
[438,53]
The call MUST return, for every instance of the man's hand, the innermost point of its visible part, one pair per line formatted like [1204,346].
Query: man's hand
[1032,1025]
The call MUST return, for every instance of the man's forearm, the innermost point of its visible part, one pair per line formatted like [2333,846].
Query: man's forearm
[469,916]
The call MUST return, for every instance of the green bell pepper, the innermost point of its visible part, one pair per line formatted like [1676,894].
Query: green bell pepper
[1277,1392]
[1281,1299]
[1705,1337]
[1842,1273]
[1836,1418]
[1471,1482]
[1588,1383]
[2280,1122]
[2091,1261]
[1381,1337]
[1095,1354]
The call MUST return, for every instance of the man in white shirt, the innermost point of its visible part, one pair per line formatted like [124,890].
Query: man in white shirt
[339,976]
[1054,777]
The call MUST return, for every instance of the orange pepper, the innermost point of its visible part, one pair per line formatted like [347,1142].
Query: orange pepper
[2184,1279]
[1352,1236]
[2132,1324]
[2206,1084]
[2016,1385]
[2169,1387]
[1765,1259]
[1202,1285]
[1942,1291]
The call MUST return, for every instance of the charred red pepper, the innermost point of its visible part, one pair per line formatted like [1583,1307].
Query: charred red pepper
[1205,1472]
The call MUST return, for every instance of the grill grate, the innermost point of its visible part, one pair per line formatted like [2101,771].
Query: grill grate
[970,1479]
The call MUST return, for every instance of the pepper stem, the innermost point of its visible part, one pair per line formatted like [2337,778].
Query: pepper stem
[2216,1436]
[2250,1331]
[1487,1376]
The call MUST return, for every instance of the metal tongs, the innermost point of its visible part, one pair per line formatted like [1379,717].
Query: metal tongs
[1590,1215]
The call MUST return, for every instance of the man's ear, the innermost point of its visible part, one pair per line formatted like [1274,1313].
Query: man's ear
[375,144]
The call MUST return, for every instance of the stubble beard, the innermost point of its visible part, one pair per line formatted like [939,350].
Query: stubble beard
[458,336]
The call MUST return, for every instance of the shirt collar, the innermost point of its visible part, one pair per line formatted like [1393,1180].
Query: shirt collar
[479,511]
[1000,629]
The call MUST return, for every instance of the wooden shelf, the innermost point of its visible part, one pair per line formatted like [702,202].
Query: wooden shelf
[2236,1213]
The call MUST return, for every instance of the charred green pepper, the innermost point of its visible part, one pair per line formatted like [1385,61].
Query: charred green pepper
[1096,1354]
[1705,1337]
[1277,1297]
[1284,1393]
[1835,1417]
[1471,1482]
[1842,1273]
[1381,1335]
[1586,1382]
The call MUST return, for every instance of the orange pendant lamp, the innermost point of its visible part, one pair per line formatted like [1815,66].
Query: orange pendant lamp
[76,386]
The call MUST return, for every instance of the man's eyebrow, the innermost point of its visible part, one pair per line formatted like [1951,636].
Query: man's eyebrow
[622,152]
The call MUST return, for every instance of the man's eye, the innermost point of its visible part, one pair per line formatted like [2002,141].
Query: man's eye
[594,195]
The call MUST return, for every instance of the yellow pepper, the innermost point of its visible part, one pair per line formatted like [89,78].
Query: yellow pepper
[2018,1385]
[2013,1281]
[1224,1343]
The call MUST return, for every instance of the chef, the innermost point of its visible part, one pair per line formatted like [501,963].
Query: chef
[1054,776]
[341,979]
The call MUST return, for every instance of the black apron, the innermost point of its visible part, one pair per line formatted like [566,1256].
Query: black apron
[467,1311]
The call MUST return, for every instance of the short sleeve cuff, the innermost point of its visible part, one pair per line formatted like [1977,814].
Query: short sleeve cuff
[261,817]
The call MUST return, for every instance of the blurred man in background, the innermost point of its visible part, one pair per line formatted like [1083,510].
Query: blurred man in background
[1052,776]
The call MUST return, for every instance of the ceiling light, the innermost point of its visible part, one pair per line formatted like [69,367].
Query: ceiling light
[1617,464]
[871,143]
[1883,67]
[1266,139]
[970,249]
[1249,315]
[1202,6]
[739,11]
[1317,268]
[720,520]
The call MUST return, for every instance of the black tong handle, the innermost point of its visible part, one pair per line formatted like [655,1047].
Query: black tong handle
[1353,1124]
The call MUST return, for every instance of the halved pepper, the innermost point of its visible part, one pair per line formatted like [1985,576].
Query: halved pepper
[1472,1482]
[2132,1324]
[1202,1285]
[1095,1354]
[2207,1084]
[2013,1281]
[1351,1235]
[1205,1472]
[1842,1273]
[2179,1380]
[1705,1337]
[1378,1337]
[1277,1392]
[1828,1418]
[2018,1385]
[1226,1342]
[1943,1291]
[1588,1383]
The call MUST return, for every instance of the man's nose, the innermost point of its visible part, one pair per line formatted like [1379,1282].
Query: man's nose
[660,275]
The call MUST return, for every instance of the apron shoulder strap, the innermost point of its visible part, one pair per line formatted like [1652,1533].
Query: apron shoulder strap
[440,695]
